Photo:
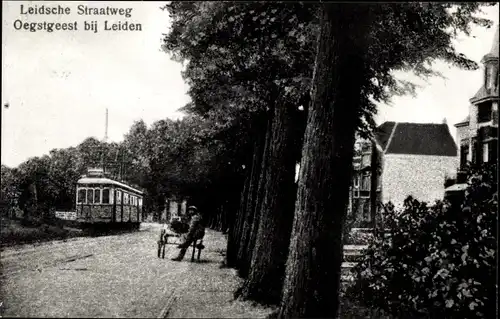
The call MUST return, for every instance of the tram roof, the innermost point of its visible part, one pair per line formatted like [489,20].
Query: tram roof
[104,180]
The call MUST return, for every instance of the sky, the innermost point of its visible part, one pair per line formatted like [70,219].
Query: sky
[59,84]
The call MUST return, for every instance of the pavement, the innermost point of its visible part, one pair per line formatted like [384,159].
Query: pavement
[208,289]
[119,276]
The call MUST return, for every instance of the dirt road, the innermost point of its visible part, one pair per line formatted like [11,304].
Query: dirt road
[109,276]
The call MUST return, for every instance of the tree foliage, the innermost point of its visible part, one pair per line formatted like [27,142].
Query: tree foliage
[242,57]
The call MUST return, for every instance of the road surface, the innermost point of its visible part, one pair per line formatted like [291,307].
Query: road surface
[108,276]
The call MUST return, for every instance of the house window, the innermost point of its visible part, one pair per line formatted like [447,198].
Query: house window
[97,196]
[484,112]
[90,196]
[492,151]
[356,181]
[356,193]
[366,211]
[464,152]
[364,194]
[474,157]
[365,181]
[365,160]
[485,153]
[82,193]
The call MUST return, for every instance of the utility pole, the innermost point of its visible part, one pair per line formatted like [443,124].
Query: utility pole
[106,127]
[103,163]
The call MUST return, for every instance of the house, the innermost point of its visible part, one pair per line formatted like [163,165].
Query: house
[477,133]
[403,159]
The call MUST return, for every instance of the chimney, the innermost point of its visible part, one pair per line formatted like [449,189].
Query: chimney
[445,121]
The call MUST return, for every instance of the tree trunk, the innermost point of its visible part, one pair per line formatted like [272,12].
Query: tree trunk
[211,221]
[254,206]
[235,229]
[219,219]
[225,216]
[315,255]
[269,255]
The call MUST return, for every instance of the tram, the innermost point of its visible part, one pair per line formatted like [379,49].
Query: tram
[101,201]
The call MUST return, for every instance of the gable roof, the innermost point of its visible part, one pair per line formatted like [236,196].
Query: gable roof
[466,120]
[383,132]
[484,93]
[495,45]
[416,139]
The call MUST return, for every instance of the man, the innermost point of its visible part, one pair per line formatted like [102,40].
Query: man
[196,231]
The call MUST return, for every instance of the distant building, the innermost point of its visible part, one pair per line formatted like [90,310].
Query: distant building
[477,133]
[411,159]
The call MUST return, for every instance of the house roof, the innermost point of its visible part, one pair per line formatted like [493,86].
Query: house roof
[494,46]
[466,120]
[457,188]
[483,93]
[416,139]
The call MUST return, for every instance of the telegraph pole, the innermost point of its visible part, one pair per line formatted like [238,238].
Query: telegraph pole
[104,142]
[106,127]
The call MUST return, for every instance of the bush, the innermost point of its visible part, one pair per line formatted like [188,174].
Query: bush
[437,261]
[356,237]
[27,231]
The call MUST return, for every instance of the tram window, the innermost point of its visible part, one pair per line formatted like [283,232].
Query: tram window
[125,198]
[133,200]
[140,201]
[105,196]
[90,196]
[111,196]
[118,197]
[97,196]
[82,193]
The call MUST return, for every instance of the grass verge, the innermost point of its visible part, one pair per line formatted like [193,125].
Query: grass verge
[17,232]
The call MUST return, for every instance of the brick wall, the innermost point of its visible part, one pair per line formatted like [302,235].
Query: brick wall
[421,176]
[473,120]
[462,133]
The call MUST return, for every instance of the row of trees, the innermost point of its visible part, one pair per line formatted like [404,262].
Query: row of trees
[272,85]
[306,77]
